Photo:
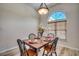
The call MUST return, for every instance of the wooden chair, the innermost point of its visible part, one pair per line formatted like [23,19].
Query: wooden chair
[24,51]
[32,36]
[51,48]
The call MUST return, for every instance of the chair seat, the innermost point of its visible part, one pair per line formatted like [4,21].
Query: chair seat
[31,52]
[48,48]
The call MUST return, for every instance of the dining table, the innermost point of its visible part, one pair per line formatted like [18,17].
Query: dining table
[37,44]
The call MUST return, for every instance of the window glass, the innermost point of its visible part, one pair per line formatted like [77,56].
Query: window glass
[58,16]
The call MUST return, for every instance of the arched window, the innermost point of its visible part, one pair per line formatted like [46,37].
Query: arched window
[57,23]
[57,16]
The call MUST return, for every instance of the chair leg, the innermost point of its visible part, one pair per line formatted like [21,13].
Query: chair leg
[20,54]
[47,53]
[51,54]
[55,53]
[43,53]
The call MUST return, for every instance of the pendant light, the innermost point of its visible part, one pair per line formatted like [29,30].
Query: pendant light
[43,9]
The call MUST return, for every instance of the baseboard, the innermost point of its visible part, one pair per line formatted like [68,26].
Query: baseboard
[69,47]
[10,51]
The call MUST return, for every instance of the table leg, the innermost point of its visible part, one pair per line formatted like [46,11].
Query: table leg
[37,50]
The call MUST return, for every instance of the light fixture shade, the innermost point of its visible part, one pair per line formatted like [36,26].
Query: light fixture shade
[43,9]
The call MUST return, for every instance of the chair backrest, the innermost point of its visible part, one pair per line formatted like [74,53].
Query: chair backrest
[32,36]
[50,34]
[22,47]
[54,44]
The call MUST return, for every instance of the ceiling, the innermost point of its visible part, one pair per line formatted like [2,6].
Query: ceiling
[37,5]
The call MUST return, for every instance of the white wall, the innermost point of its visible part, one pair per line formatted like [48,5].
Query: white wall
[72,12]
[16,21]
